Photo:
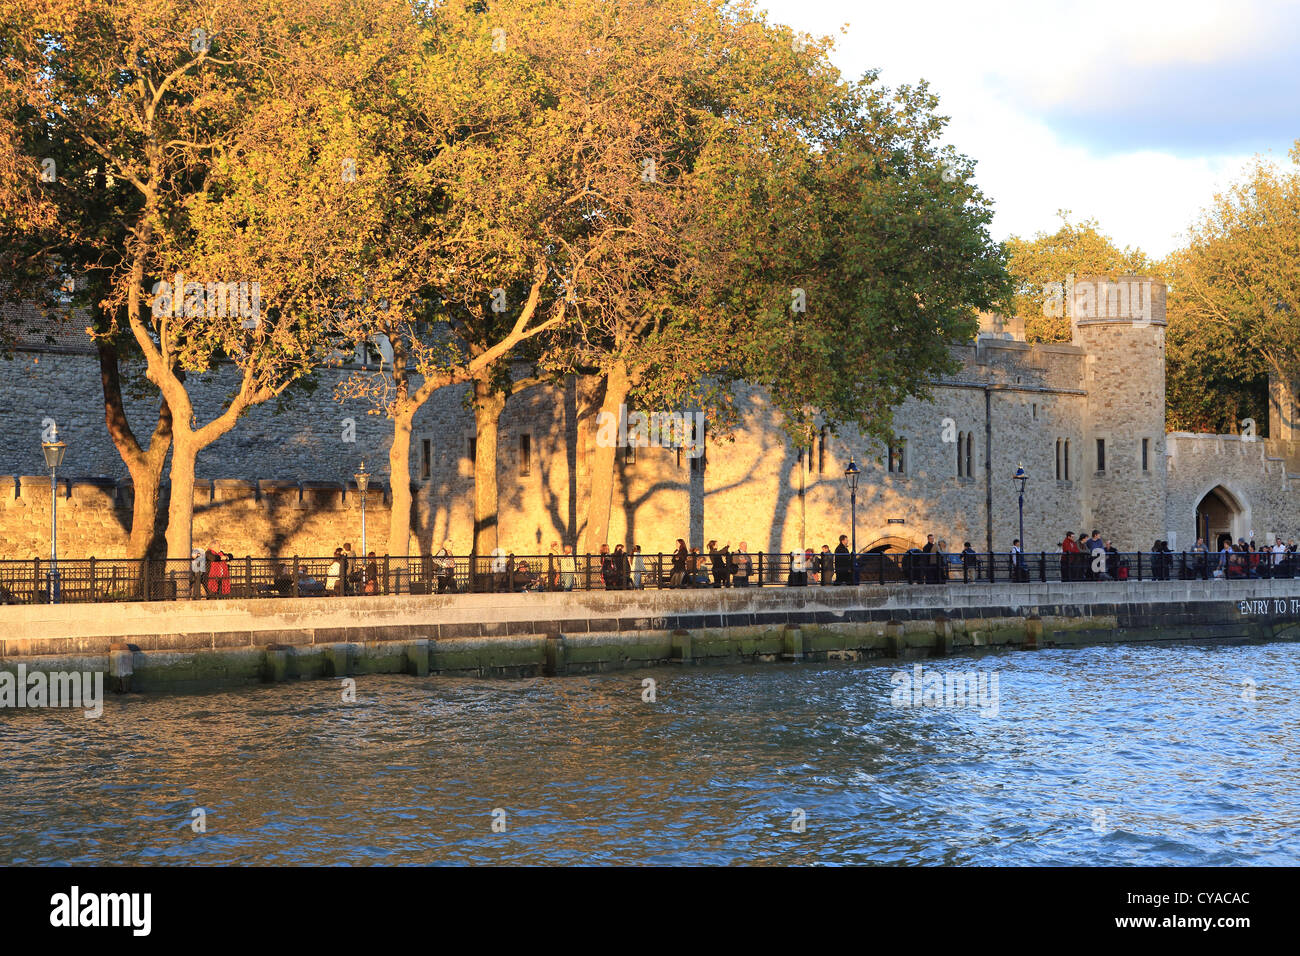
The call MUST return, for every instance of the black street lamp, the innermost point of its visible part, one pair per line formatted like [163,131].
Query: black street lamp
[1020,477]
[53,451]
[851,474]
[363,482]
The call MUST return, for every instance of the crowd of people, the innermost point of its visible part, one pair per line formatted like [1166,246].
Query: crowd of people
[1081,557]
[346,575]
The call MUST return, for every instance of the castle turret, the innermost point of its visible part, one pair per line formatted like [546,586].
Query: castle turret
[1120,323]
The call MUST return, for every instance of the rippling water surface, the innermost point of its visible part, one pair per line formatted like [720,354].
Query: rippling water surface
[1112,755]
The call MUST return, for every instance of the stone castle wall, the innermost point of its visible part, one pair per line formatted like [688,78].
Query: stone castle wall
[278,482]
[1251,475]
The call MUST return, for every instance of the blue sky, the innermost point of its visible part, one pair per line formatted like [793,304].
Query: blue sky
[1133,113]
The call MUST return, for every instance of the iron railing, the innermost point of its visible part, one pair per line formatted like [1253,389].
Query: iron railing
[118,579]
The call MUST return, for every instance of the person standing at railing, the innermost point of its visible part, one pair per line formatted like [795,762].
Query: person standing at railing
[843,562]
[370,585]
[1160,560]
[638,567]
[941,562]
[743,565]
[1200,559]
[1116,567]
[210,584]
[553,567]
[445,564]
[680,559]
[334,577]
[1278,555]
[500,567]
[825,565]
[721,560]
[606,568]
[219,575]
[697,569]
[927,562]
[349,574]
[622,567]
[798,569]
[1069,551]
[568,568]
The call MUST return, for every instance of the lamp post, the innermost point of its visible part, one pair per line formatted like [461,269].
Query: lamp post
[1020,477]
[53,451]
[851,474]
[363,482]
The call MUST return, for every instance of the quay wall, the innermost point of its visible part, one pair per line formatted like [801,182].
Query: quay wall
[179,646]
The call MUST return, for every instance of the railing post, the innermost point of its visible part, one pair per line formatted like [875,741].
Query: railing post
[92,578]
[386,582]
[587,575]
[295,592]
[248,575]
[1139,566]
[1042,566]
[36,581]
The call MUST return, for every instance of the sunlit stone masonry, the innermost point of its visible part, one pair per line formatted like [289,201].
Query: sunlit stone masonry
[1086,420]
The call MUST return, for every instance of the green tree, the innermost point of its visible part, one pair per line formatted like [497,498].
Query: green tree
[172,97]
[1074,249]
[1234,308]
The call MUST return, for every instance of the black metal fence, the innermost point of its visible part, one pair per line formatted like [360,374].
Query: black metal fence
[35,581]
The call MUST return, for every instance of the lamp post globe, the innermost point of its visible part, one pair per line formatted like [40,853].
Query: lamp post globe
[851,475]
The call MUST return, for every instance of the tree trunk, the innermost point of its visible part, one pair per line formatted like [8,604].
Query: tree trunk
[146,481]
[488,405]
[180,512]
[617,386]
[399,470]
[144,466]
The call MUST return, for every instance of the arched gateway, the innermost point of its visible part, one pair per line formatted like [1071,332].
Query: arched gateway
[1221,515]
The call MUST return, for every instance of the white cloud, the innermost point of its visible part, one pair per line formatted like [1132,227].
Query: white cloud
[1130,113]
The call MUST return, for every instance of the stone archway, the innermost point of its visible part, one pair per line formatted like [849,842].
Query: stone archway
[1221,514]
[888,544]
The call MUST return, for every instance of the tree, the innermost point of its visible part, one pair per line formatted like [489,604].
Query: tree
[1047,258]
[781,240]
[173,98]
[1234,309]
[63,234]
[1211,384]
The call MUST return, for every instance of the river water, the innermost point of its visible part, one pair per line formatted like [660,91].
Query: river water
[1116,755]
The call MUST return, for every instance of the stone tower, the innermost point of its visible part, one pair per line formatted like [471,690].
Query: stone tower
[1120,324]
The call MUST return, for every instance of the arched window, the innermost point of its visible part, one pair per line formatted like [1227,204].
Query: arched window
[961,438]
[1058,459]
[970,446]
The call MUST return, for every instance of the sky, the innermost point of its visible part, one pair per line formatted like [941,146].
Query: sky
[1131,113]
